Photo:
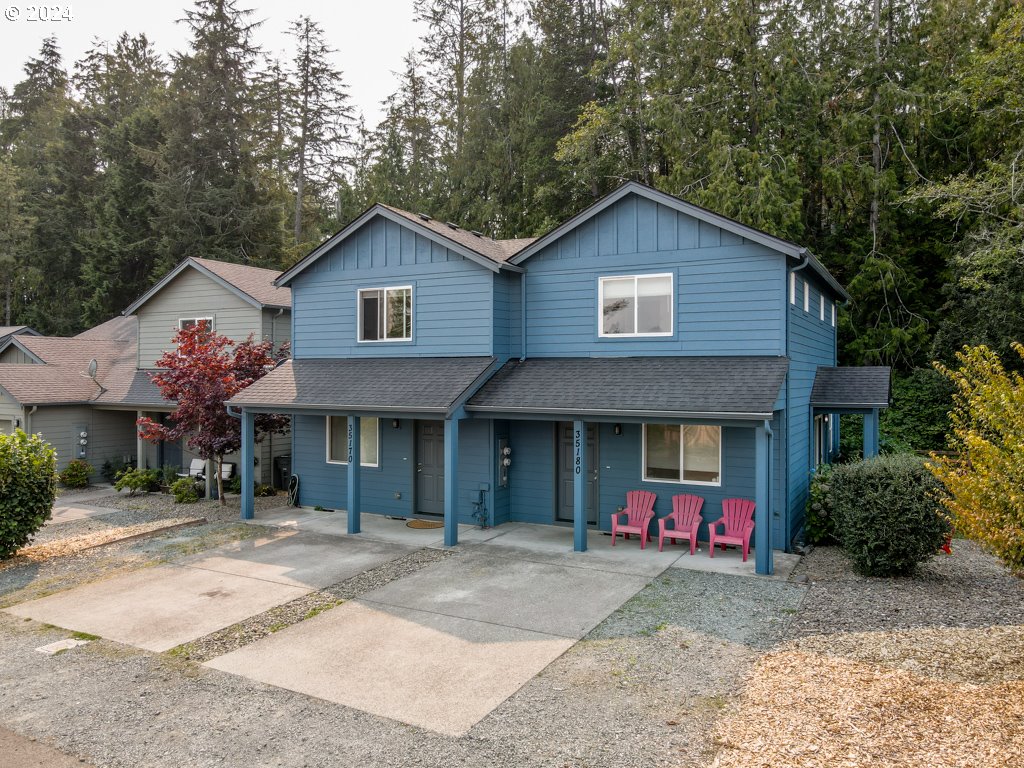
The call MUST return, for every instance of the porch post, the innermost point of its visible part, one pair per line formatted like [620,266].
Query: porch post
[764,565]
[871,434]
[140,444]
[451,482]
[354,461]
[247,468]
[579,486]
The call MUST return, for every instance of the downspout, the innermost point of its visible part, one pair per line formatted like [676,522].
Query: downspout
[270,436]
[522,299]
[788,517]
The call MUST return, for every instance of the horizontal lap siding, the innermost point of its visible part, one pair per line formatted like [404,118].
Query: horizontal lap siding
[192,294]
[811,344]
[532,474]
[507,316]
[453,297]
[727,290]
[323,484]
[111,433]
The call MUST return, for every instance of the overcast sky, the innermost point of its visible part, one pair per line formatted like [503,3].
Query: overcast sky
[371,36]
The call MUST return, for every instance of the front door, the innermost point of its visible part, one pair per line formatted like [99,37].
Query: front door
[564,481]
[430,467]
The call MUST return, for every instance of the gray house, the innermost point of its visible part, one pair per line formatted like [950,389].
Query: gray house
[52,385]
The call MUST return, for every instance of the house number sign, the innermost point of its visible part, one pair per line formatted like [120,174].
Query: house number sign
[578,446]
[350,443]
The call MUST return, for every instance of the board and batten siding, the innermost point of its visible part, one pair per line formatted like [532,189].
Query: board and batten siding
[453,297]
[193,294]
[812,343]
[16,356]
[727,289]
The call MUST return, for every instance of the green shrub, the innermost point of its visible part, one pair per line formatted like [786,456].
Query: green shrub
[76,474]
[888,517]
[185,491]
[28,487]
[821,517]
[918,418]
[262,489]
[113,468]
[135,480]
[169,474]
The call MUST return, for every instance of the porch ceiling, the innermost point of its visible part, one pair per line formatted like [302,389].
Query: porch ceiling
[411,385]
[670,387]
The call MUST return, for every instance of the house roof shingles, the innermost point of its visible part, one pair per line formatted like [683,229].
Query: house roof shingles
[677,387]
[420,384]
[117,328]
[854,387]
[256,282]
[499,251]
[63,378]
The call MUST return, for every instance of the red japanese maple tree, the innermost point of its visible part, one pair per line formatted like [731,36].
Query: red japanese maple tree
[201,373]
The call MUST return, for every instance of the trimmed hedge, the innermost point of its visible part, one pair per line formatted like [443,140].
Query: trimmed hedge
[888,517]
[28,487]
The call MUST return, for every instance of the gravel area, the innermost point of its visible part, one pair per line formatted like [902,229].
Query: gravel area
[116,519]
[645,688]
[306,607]
[162,503]
[966,589]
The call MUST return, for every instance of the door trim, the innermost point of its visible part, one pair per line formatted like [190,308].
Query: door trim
[415,510]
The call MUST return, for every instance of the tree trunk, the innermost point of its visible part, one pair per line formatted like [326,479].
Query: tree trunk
[220,481]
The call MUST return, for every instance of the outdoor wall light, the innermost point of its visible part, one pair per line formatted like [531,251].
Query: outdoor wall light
[396,424]
[617,429]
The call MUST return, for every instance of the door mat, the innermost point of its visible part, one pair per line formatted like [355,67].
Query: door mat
[425,524]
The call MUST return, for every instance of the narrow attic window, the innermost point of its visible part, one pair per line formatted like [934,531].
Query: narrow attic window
[821,300]
[792,288]
[833,314]
[807,296]
[191,322]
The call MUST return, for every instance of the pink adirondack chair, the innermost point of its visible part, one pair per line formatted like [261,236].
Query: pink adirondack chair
[639,511]
[737,522]
[685,519]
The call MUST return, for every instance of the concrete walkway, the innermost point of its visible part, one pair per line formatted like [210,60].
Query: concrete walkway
[159,608]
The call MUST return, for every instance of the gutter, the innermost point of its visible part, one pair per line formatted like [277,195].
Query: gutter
[612,413]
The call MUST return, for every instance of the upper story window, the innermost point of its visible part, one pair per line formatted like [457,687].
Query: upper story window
[192,322]
[683,454]
[636,305]
[385,314]
[807,296]
[833,304]
[821,302]
[369,440]
[792,288]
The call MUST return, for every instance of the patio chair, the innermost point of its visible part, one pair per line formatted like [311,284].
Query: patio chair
[685,518]
[639,512]
[227,471]
[196,469]
[737,522]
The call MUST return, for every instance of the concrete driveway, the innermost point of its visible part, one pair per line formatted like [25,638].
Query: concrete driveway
[159,608]
[440,649]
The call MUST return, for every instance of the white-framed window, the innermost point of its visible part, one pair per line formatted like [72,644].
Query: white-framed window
[369,440]
[807,296]
[635,305]
[792,288]
[833,304]
[821,301]
[385,314]
[682,454]
[191,322]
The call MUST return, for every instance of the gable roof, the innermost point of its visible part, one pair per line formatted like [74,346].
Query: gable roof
[790,249]
[118,328]
[494,255]
[63,377]
[865,386]
[16,330]
[253,285]
[667,387]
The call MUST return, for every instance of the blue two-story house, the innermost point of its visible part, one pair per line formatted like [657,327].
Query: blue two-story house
[646,343]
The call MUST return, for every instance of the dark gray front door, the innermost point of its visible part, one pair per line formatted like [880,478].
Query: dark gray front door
[430,467]
[564,481]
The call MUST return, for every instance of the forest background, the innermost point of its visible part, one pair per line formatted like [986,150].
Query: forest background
[885,135]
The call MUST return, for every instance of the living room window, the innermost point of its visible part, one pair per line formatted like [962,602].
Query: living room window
[682,454]
[337,440]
